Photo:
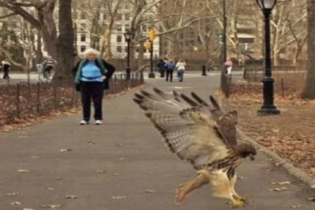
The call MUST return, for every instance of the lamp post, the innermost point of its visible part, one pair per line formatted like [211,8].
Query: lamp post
[128,36]
[268,107]
[149,44]
[224,54]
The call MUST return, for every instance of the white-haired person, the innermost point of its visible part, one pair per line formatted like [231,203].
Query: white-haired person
[92,75]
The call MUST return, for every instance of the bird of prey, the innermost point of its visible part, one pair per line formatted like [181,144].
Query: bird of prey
[202,134]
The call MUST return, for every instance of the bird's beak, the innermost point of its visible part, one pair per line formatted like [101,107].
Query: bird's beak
[252,157]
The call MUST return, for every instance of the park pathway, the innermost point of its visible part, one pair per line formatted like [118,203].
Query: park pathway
[122,165]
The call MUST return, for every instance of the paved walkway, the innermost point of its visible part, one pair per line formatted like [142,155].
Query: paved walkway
[122,165]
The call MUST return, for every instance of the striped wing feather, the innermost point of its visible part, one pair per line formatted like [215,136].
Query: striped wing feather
[187,126]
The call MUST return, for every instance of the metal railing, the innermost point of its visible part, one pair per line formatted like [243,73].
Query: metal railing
[255,73]
[26,100]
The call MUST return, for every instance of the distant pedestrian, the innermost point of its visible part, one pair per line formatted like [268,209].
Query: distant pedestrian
[161,67]
[228,66]
[6,66]
[92,75]
[48,65]
[170,66]
[181,67]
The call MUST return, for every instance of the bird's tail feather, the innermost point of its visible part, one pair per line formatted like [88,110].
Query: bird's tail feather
[187,187]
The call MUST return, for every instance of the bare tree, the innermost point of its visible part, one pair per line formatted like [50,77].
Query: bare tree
[309,90]
[65,42]
[43,21]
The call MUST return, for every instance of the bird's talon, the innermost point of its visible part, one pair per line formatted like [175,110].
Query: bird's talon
[238,203]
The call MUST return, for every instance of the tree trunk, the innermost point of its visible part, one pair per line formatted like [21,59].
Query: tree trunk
[65,44]
[48,27]
[107,51]
[309,90]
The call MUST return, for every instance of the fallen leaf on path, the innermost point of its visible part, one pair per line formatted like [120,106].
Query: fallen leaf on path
[13,194]
[23,137]
[71,197]
[116,174]
[65,150]
[91,142]
[16,203]
[278,189]
[23,171]
[118,197]
[281,183]
[120,144]
[50,206]
[121,158]
[100,171]
[311,199]
[294,206]
[50,188]
[150,191]
[28,209]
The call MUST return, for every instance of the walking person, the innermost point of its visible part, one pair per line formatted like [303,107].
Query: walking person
[228,66]
[181,67]
[170,66]
[161,67]
[6,66]
[48,65]
[92,75]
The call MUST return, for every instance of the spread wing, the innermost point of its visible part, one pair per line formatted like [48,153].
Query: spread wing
[194,130]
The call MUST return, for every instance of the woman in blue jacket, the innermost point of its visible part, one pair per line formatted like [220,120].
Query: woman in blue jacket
[92,75]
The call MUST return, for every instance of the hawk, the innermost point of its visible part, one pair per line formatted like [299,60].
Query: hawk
[201,134]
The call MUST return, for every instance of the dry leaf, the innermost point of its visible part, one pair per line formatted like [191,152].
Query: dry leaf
[28,209]
[13,194]
[278,189]
[294,206]
[23,171]
[121,158]
[120,144]
[118,197]
[16,203]
[91,142]
[65,150]
[100,171]
[150,191]
[311,199]
[50,188]
[116,174]
[51,206]
[71,197]
[281,183]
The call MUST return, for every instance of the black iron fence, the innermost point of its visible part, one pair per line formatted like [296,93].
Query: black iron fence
[25,100]
[255,73]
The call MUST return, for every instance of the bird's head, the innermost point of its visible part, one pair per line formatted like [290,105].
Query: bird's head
[246,150]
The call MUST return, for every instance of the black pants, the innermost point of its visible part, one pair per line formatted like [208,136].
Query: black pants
[6,74]
[92,91]
[169,74]
[162,72]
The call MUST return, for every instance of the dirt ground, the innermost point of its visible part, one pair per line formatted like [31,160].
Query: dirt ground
[290,134]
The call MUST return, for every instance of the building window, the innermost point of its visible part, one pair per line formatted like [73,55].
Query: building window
[245,31]
[83,27]
[83,48]
[127,27]
[83,37]
[127,6]
[246,40]
[119,38]
[119,16]
[83,16]
[118,27]
[119,49]
[127,17]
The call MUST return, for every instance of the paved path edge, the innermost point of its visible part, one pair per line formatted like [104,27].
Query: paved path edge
[298,173]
